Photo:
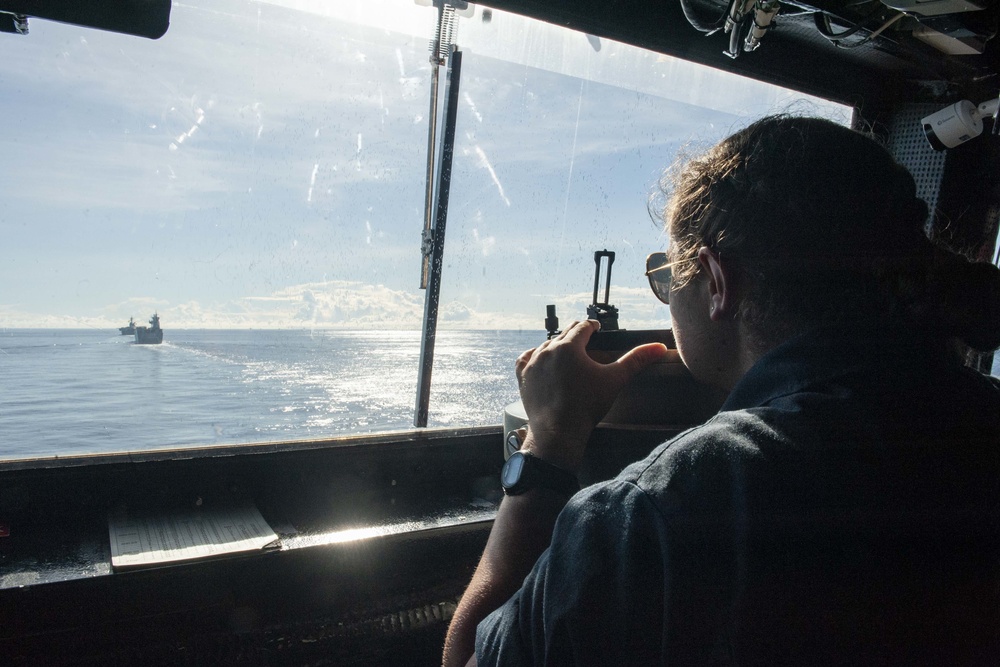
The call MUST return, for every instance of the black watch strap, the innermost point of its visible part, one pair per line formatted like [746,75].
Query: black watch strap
[524,471]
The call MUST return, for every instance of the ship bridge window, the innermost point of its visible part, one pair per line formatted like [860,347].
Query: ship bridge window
[561,140]
[255,181]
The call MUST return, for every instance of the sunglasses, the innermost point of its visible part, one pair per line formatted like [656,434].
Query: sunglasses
[660,274]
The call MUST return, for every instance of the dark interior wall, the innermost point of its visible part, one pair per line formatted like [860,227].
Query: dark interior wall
[961,185]
[906,141]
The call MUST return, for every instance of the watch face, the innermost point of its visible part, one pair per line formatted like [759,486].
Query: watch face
[512,470]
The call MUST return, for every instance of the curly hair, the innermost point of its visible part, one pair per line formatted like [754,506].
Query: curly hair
[824,228]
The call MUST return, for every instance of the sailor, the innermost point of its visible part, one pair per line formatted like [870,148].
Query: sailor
[843,507]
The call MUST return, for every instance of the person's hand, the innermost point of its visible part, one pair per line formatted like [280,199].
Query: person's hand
[566,393]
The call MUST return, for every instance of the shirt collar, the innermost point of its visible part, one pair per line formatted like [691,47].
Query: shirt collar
[823,354]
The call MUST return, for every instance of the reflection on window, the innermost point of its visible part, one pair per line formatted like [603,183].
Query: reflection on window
[561,140]
[256,178]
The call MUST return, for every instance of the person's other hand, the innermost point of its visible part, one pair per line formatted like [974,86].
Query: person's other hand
[566,393]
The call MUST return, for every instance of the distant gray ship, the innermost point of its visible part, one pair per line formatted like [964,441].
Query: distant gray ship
[130,329]
[151,335]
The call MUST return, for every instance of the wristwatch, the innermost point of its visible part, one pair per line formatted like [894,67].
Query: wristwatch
[524,471]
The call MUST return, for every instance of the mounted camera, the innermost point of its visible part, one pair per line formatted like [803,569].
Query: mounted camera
[958,123]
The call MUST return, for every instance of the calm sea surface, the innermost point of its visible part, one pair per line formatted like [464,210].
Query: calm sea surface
[81,391]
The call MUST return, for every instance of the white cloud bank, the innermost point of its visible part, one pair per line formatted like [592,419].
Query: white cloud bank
[324,305]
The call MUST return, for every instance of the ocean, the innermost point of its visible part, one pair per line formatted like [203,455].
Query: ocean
[68,392]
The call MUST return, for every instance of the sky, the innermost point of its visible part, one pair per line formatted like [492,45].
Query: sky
[263,165]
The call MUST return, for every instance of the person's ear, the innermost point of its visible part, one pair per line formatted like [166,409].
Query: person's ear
[721,285]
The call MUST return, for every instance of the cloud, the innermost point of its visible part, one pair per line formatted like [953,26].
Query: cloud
[324,305]
[456,312]
[189,118]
